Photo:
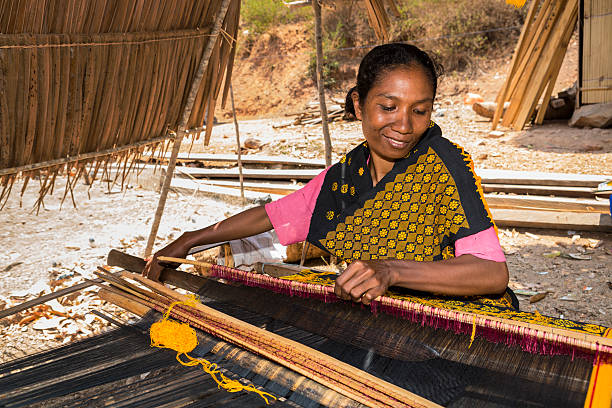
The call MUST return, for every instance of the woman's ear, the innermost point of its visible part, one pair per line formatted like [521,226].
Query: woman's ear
[355,97]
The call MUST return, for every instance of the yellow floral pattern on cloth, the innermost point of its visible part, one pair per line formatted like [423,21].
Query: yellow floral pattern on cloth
[407,220]
[481,305]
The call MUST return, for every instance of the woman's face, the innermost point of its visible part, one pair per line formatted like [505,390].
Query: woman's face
[396,112]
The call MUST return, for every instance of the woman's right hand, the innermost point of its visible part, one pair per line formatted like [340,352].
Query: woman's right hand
[176,249]
[245,224]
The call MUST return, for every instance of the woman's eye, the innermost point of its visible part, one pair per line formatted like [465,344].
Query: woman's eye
[419,112]
[387,108]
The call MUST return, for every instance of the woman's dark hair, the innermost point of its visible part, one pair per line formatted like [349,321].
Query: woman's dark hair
[387,57]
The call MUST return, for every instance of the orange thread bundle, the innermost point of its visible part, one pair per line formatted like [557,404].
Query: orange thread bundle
[182,338]
[516,3]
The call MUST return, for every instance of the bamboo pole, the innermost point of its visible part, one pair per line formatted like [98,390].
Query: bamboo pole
[239,153]
[195,85]
[319,45]
[519,50]
[80,157]
[339,376]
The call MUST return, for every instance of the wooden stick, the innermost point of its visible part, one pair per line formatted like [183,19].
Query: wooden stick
[123,302]
[520,48]
[565,22]
[320,84]
[256,340]
[239,152]
[205,265]
[45,298]
[195,86]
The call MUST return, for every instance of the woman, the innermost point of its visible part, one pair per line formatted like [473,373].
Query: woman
[404,208]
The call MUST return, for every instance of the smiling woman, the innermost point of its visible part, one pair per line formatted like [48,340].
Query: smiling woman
[404,208]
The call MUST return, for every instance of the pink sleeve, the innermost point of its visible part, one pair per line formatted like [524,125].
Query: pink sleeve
[484,245]
[290,216]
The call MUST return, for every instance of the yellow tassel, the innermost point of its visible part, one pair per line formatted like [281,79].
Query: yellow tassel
[516,3]
[473,332]
[181,338]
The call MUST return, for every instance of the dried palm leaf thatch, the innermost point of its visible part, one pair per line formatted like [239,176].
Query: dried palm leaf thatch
[97,82]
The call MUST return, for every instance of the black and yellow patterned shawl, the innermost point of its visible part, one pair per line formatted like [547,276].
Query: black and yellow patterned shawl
[428,201]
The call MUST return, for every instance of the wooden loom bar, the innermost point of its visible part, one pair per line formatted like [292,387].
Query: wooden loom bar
[195,85]
[573,338]
[236,329]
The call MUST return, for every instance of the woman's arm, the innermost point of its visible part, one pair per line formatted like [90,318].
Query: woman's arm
[245,224]
[463,275]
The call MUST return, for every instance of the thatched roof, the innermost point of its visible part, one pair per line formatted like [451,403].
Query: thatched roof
[96,81]
[92,82]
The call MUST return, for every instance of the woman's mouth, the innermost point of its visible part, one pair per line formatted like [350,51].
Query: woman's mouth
[396,144]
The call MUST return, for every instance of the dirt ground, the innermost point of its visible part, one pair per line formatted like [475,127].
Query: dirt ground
[68,244]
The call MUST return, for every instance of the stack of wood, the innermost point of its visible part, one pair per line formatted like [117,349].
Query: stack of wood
[311,114]
[536,62]
[516,198]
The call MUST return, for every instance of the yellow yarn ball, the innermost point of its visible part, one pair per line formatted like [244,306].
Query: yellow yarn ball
[174,335]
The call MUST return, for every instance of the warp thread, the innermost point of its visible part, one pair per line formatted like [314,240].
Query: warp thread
[182,338]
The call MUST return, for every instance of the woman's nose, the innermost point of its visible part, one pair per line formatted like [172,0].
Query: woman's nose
[403,123]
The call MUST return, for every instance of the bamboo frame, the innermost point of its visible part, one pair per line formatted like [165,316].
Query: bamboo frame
[334,374]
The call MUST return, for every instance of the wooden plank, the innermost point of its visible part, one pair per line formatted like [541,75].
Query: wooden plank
[539,190]
[493,176]
[547,203]
[274,187]
[552,219]
[487,176]
[297,174]
[232,158]
[271,187]
[194,187]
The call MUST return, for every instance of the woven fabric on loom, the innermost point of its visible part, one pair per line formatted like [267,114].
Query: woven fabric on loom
[459,314]
[438,365]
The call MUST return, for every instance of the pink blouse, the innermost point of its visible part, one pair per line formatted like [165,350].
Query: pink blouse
[291,216]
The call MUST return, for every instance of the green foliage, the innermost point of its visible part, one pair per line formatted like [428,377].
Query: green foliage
[331,67]
[258,16]
[449,28]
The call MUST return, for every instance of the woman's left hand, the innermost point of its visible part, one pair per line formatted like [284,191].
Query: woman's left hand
[364,281]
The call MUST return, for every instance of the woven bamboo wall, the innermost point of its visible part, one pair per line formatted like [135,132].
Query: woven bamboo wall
[596,78]
[84,76]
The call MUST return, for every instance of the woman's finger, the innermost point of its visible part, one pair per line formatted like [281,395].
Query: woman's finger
[372,294]
[361,289]
[358,273]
